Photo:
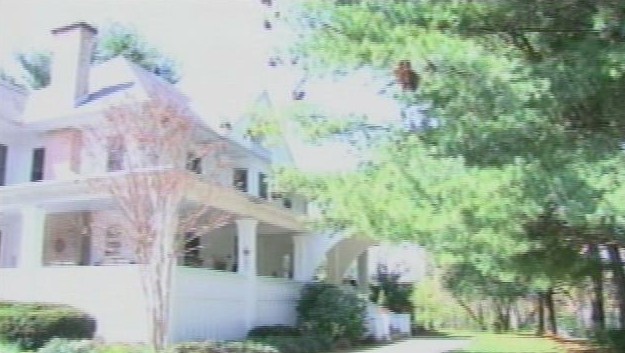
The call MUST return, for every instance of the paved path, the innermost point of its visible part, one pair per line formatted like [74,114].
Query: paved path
[420,345]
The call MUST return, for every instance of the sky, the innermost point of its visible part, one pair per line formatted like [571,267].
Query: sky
[222,49]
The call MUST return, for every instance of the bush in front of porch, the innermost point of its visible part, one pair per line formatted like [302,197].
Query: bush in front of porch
[325,310]
[31,325]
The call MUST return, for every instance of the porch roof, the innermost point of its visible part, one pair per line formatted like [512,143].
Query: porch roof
[79,194]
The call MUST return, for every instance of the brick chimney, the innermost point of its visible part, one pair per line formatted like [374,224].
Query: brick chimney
[69,77]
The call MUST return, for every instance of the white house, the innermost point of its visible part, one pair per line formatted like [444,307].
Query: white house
[62,243]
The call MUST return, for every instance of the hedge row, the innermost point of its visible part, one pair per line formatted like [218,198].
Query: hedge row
[223,347]
[31,325]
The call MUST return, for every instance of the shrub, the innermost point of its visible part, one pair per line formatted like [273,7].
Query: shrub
[298,344]
[391,293]
[32,325]
[613,339]
[63,345]
[275,330]
[122,348]
[222,347]
[326,310]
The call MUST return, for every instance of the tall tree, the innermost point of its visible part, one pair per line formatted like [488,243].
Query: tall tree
[121,40]
[527,97]
[149,142]
[36,65]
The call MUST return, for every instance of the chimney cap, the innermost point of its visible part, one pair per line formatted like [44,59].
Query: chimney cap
[75,25]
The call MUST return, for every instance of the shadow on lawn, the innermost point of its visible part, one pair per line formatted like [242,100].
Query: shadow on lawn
[440,335]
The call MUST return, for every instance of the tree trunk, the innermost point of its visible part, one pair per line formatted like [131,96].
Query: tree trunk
[502,315]
[551,312]
[618,276]
[540,312]
[597,303]
[507,315]
[472,315]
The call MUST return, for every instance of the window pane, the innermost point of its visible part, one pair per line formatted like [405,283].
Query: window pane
[240,179]
[192,250]
[3,164]
[262,185]
[38,162]
[194,164]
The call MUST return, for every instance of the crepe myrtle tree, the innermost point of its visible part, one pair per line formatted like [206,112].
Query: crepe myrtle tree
[149,144]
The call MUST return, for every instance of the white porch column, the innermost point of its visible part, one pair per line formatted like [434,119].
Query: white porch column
[363,271]
[301,258]
[32,222]
[246,258]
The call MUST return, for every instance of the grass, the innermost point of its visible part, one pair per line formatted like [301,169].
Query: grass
[510,343]
[9,348]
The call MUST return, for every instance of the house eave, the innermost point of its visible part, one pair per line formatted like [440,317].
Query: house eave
[82,190]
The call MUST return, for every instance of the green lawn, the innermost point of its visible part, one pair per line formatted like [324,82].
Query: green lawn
[509,343]
[8,348]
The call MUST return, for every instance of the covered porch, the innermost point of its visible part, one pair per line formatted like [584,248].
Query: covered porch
[227,281]
[72,248]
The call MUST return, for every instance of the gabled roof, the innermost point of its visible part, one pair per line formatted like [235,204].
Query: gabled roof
[110,82]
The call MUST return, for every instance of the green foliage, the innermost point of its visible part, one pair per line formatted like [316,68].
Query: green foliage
[525,159]
[301,344]
[120,40]
[528,99]
[390,293]
[275,331]
[435,307]
[8,78]
[62,345]
[612,339]
[114,40]
[122,348]
[36,67]
[32,325]
[222,347]
[326,310]
[10,348]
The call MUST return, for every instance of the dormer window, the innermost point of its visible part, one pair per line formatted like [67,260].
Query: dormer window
[239,180]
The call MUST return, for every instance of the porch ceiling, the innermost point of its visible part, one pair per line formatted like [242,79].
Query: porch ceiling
[237,203]
[74,195]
